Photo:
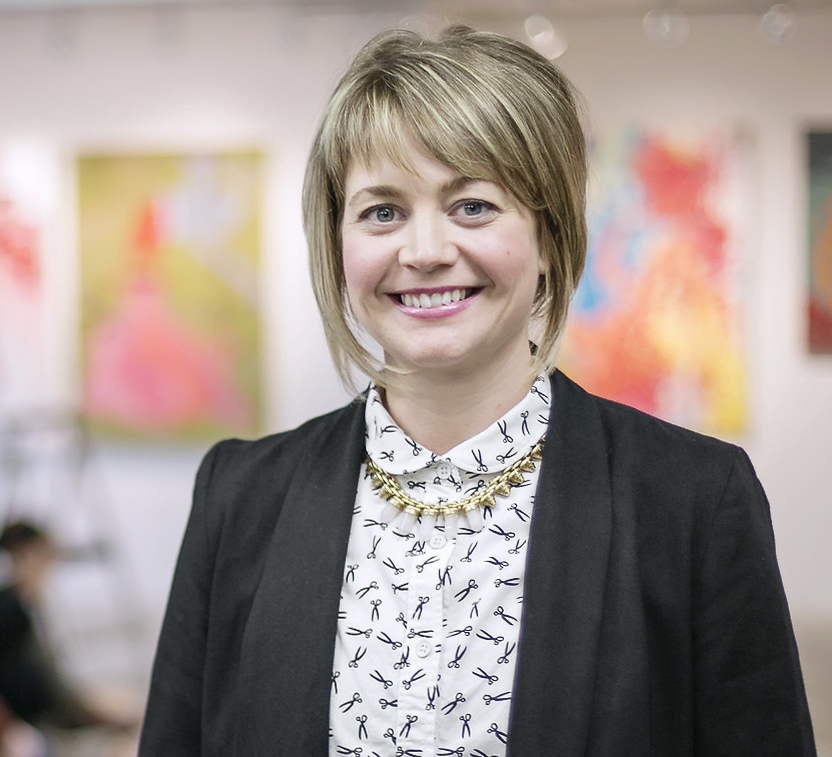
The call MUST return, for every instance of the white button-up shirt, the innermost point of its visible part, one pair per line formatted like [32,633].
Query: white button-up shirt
[429,620]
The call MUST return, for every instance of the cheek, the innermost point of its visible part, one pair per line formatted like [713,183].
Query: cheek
[350,265]
[351,260]
[361,275]
[521,261]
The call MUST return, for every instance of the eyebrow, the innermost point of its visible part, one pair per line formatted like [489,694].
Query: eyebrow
[378,190]
[389,191]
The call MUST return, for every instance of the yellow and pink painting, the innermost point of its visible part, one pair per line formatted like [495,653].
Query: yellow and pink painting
[170,332]
[657,320]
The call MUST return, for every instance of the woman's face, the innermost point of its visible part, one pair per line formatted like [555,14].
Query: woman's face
[441,270]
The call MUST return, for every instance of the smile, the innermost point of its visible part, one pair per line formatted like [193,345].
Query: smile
[423,300]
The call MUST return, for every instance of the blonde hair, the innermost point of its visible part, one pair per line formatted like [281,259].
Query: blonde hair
[486,106]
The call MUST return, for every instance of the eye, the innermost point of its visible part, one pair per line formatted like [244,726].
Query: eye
[473,210]
[473,207]
[379,214]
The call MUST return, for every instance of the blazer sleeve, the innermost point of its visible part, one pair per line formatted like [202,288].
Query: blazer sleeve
[750,699]
[172,724]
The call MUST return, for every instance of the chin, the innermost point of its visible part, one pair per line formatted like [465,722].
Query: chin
[449,361]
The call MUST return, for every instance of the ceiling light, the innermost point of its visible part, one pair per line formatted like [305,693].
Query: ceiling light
[544,37]
[777,24]
[667,27]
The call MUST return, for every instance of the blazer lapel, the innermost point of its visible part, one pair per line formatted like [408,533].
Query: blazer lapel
[565,582]
[286,661]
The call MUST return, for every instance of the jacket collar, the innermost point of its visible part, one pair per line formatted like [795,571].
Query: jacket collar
[286,661]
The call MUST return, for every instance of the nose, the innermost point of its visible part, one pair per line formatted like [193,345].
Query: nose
[426,245]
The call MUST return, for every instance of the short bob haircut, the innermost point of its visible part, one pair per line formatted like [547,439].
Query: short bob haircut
[484,105]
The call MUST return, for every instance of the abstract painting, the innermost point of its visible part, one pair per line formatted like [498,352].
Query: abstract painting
[819,153]
[657,320]
[170,316]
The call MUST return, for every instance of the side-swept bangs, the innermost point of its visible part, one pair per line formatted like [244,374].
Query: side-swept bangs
[486,106]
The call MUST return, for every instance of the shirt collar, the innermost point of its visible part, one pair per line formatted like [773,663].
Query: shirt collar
[489,451]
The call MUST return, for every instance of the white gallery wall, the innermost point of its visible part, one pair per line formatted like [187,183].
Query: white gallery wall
[255,76]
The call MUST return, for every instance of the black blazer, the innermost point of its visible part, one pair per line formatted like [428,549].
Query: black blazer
[654,620]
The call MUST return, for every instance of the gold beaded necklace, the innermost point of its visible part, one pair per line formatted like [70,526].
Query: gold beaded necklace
[388,488]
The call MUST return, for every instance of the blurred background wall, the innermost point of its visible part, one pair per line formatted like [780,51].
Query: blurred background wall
[255,76]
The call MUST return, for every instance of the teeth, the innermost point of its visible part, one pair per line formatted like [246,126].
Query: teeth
[434,300]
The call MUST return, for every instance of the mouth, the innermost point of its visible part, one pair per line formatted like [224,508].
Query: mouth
[428,300]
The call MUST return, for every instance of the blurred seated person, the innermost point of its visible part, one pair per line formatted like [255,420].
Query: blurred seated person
[33,690]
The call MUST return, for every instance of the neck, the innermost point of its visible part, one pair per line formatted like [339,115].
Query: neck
[442,410]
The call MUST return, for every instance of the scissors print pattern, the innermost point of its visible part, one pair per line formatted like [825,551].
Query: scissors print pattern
[442,602]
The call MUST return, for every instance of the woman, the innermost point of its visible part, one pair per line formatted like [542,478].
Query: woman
[475,557]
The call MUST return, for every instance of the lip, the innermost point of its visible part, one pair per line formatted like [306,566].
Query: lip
[445,301]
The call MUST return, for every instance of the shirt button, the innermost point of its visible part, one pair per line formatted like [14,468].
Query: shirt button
[437,541]
[444,470]
[423,649]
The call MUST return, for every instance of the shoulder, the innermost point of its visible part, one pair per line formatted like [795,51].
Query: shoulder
[246,480]
[684,494]
[651,460]
[638,435]
[286,449]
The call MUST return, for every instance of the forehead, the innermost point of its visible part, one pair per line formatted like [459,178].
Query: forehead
[416,167]
[411,169]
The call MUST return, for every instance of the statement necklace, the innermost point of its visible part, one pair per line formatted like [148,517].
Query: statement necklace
[388,488]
